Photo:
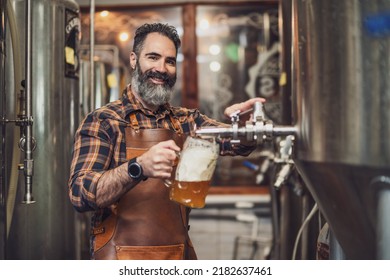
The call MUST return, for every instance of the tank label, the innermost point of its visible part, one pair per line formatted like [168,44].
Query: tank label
[72,40]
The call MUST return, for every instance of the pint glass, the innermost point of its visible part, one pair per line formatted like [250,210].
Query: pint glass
[196,166]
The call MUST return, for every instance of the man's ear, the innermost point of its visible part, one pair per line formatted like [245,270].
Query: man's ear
[133,60]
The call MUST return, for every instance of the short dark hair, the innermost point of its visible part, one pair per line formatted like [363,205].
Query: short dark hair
[147,28]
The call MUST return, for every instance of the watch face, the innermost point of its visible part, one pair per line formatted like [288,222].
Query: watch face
[135,170]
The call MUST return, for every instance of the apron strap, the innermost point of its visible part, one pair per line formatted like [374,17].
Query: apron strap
[134,122]
[174,122]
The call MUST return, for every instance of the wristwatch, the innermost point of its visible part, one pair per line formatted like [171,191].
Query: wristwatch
[135,170]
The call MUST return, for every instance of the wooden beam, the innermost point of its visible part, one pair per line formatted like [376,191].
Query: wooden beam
[189,50]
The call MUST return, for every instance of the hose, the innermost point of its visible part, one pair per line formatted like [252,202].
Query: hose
[307,220]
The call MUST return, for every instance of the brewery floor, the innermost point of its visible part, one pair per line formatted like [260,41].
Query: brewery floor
[232,227]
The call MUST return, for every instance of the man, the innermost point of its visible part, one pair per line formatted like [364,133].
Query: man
[125,150]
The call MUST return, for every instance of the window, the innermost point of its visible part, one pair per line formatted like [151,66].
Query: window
[238,58]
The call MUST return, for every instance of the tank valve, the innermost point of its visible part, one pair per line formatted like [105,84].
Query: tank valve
[257,129]
[285,161]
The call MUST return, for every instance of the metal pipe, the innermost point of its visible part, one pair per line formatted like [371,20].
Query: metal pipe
[225,132]
[305,232]
[259,129]
[284,130]
[92,51]
[28,161]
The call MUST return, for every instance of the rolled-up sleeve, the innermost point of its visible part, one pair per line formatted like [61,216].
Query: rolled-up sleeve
[92,152]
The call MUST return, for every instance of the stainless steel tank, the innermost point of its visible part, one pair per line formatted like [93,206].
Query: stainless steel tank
[46,228]
[341,85]
[2,131]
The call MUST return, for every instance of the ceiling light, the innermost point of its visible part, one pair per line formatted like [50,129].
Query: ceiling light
[104,13]
[124,36]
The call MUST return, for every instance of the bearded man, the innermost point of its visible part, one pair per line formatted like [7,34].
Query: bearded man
[125,150]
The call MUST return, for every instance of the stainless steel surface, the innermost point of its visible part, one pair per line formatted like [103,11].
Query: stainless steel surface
[258,129]
[45,229]
[28,166]
[341,85]
[3,182]
[335,250]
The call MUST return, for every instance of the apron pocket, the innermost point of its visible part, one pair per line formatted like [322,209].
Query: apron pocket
[167,252]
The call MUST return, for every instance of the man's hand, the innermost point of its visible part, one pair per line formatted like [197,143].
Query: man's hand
[159,160]
[243,106]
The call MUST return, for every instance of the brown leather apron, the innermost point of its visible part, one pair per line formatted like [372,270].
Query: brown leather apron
[145,224]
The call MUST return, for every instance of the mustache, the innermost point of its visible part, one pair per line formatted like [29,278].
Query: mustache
[170,81]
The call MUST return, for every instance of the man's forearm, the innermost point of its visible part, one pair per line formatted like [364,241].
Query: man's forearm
[112,185]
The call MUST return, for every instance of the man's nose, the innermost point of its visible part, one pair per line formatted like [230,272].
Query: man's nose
[161,67]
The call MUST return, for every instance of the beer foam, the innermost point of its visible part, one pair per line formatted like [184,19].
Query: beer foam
[196,164]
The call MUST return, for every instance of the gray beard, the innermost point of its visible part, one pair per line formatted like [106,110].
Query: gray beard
[150,93]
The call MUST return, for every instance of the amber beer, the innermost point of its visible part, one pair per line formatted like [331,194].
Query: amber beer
[191,194]
[196,166]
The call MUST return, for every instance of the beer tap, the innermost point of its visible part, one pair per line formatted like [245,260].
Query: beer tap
[257,129]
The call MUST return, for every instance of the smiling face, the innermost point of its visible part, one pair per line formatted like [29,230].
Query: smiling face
[155,70]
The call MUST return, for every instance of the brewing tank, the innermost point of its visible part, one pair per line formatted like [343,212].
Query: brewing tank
[341,89]
[44,229]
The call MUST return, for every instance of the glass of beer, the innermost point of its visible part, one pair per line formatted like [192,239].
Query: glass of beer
[196,166]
